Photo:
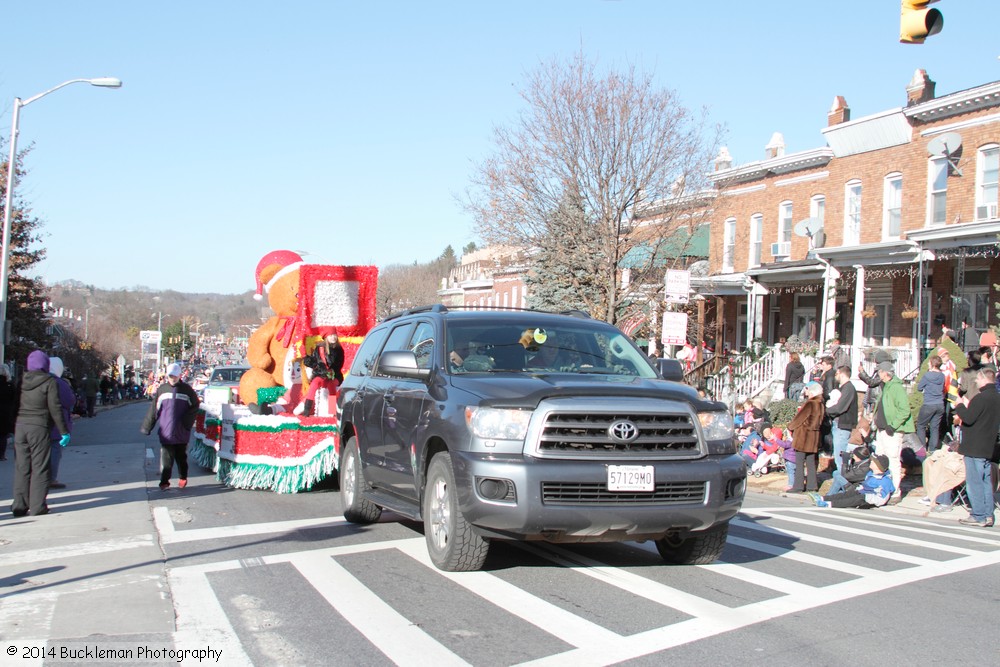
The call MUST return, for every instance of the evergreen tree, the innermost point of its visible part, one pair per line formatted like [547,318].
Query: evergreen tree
[566,271]
[25,293]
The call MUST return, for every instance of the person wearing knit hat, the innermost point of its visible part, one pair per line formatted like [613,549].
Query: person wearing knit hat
[175,407]
[874,491]
[39,409]
[67,399]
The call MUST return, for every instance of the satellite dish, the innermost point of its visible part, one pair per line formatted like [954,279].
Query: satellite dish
[948,146]
[807,227]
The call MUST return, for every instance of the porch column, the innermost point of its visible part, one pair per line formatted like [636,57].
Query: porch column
[827,304]
[859,305]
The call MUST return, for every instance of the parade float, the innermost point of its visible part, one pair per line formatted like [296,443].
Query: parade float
[257,440]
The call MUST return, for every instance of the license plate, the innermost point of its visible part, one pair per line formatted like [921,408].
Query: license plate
[630,478]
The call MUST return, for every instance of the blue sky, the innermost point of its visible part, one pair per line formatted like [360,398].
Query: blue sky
[346,129]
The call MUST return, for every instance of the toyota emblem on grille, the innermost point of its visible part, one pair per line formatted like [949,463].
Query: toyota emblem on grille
[622,430]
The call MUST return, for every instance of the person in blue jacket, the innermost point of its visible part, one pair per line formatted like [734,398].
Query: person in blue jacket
[875,491]
[175,407]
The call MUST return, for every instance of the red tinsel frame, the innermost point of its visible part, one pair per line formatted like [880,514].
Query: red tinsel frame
[286,443]
[367,279]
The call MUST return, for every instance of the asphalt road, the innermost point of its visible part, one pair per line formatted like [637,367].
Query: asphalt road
[282,579]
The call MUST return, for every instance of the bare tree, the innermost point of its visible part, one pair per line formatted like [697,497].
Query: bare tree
[613,141]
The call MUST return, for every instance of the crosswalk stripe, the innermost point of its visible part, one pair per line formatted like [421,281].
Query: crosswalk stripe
[867,533]
[201,619]
[389,631]
[560,623]
[928,528]
[838,544]
[74,550]
[170,535]
[799,557]
[667,596]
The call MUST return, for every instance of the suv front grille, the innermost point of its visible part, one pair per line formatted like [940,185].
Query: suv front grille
[596,493]
[588,434]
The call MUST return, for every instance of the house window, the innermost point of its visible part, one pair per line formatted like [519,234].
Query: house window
[987,182]
[783,248]
[937,191]
[876,329]
[852,213]
[728,245]
[817,207]
[892,206]
[756,240]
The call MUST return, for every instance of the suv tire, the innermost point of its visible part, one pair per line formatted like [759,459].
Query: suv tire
[700,548]
[452,543]
[357,509]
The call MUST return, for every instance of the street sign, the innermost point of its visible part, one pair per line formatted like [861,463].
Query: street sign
[678,286]
[674,328]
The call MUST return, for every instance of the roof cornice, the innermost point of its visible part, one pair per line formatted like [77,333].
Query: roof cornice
[973,99]
[817,157]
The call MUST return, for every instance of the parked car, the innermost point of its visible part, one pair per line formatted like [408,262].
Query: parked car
[532,426]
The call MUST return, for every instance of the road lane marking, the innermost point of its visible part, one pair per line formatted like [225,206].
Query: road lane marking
[35,556]
[390,632]
[874,535]
[799,557]
[837,544]
[928,529]
[200,618]
[170,535]
[562,624]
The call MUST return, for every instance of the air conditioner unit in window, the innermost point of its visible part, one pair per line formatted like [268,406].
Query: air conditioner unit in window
[986,212]
[783,249]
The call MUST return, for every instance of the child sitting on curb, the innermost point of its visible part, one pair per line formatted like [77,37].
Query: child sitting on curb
[853,469]
[875,491]
[770,452]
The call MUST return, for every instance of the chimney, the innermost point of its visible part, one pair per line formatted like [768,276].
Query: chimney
[776,146]
[723,160]
[921,88]
[839,112]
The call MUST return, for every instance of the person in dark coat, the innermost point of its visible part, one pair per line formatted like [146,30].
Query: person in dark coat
[67,399]
[843,412]
[8,408]
[795,373]
[980,423]
[175,407]
[805,428]
[39,409]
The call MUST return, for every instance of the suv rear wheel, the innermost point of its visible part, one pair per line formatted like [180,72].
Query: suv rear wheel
[452,543]
[357,509]
[699,548]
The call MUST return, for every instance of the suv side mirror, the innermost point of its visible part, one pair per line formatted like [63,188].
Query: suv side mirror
[670,369]
[401,363]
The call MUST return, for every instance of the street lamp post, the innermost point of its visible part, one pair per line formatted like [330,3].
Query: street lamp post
[103,82]
[86,324]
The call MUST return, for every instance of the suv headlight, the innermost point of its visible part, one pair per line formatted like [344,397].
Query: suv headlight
[500,424]
[716,425]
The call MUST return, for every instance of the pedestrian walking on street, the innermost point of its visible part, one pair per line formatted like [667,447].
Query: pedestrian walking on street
[39,409]
[67,399]
[980,423]
[175,407]
[8,408]
[90,388]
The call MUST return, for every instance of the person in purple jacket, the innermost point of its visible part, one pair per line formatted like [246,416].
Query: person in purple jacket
[175,406]
[67,399]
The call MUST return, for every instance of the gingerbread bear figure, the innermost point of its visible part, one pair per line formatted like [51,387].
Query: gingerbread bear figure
[271,349]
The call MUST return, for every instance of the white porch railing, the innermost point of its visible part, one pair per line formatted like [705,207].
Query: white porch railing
[744,379]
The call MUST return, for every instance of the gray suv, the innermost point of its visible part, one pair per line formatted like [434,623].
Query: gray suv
[519,424]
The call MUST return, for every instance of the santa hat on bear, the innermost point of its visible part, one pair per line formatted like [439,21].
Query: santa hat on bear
[273,266]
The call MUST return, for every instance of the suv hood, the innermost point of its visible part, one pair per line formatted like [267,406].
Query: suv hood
[527,391]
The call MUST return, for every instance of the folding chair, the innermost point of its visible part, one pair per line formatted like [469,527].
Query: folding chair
[962,495]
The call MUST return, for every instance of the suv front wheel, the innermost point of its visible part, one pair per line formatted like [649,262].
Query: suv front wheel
[357,508]
[699,548]
[452,543]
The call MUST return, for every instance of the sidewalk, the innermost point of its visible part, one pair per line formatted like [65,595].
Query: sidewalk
[775,484]
[91,571]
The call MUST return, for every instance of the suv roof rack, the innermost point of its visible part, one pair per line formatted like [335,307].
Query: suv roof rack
[431,308]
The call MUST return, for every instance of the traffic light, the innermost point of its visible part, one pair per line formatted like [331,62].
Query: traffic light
[916,22]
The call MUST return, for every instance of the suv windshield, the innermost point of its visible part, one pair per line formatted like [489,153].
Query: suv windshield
[227,375]
[528,345]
